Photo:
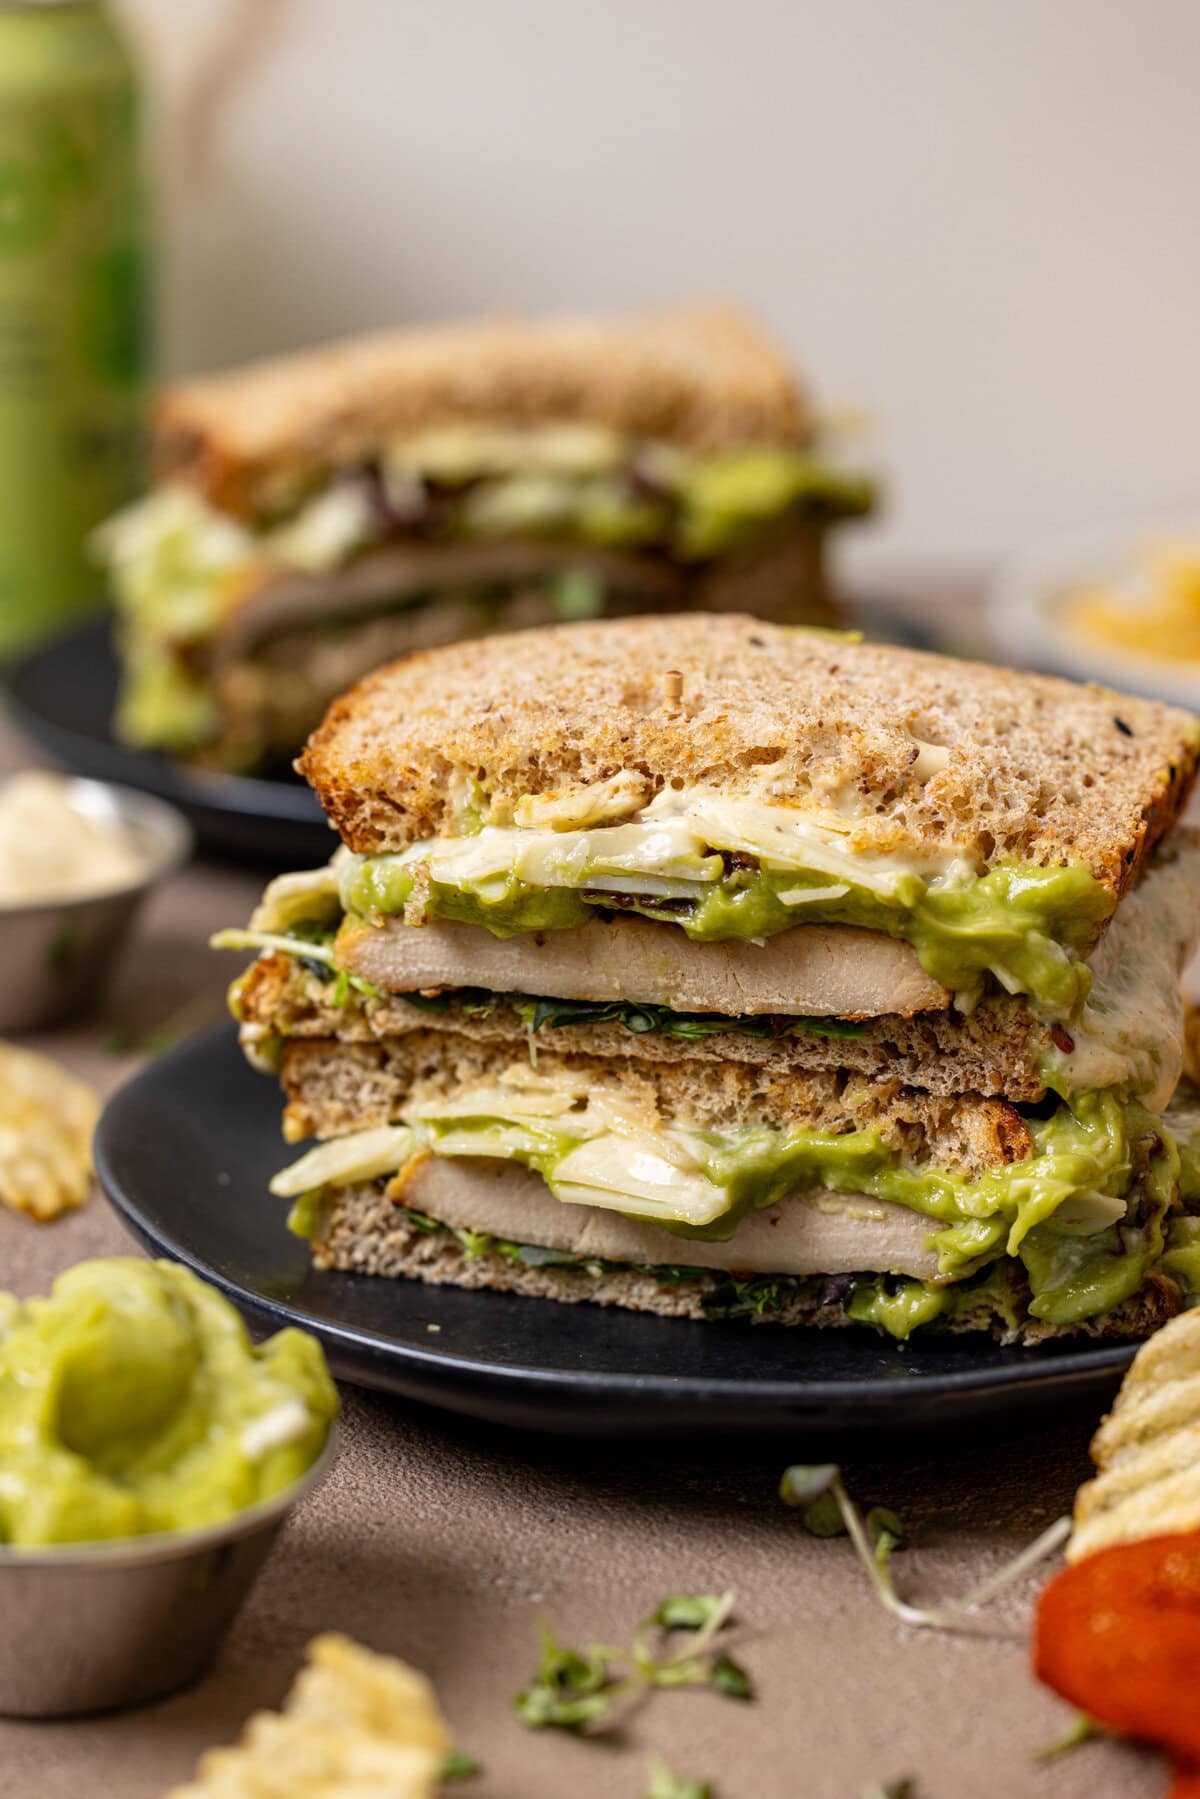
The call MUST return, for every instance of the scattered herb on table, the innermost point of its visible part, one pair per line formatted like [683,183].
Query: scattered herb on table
[665,1785]
[458,1765]
[574,1689]
[819,1490]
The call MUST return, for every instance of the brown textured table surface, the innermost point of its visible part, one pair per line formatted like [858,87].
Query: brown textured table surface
[439,1540]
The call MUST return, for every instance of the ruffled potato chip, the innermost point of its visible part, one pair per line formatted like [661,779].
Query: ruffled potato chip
[1147,1450]
[354,1723]
[46,1122]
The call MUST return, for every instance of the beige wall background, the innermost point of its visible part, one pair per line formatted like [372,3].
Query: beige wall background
[975,220]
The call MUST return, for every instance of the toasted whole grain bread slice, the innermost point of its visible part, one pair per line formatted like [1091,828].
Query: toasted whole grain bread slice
[334,1088]
[704,378]
[1035,768]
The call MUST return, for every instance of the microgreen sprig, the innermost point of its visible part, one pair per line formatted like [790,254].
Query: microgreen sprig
[1081,1731]
[578,1689]
[830,1511]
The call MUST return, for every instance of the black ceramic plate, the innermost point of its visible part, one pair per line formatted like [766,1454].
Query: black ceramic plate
[62,698]
[186,1149]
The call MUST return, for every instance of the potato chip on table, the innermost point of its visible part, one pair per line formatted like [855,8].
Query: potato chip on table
[47,1117]
[354,1723]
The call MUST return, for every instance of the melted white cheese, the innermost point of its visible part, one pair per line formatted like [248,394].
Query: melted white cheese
[673,840]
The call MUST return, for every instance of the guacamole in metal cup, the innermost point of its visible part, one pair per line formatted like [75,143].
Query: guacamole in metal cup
[133,1401]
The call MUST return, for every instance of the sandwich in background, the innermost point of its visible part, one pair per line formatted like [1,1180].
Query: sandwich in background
[320,514]
[714,968]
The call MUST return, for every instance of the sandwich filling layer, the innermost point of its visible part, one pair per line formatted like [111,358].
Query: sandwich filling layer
[844,995]
[1084,1211]
[362,1230]
[475,1224]
[722,869]
[472,514]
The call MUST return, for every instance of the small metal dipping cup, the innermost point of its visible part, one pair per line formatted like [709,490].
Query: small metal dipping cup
[94,1627]
[55,955]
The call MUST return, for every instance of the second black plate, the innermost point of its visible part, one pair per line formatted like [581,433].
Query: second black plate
[185,1152]
[62,698]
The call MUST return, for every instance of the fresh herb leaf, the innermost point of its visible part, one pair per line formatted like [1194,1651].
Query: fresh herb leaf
[421,1221]
[458,1765]
[730,1678]
[736,1298]
[576,1688]
[555,1014]
[885,1533]
[639,1018]
[823,1518]
[475,1243]
[810,1486]
[688,1611]
[665,1785]
[801,1484]
[571,1687]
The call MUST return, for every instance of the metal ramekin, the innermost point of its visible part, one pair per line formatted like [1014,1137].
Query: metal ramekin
[94,1627]
[56,955]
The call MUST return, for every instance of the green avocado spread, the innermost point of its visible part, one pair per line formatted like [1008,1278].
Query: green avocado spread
[133,1401]
[1024,923]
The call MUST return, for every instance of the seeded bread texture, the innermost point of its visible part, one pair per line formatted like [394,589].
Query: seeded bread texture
[706,379]
[992,1051]
[1037,769]
[335,1088]
[363,1232]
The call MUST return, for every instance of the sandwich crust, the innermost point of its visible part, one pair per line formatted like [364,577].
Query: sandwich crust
[1026,766]
[705,378]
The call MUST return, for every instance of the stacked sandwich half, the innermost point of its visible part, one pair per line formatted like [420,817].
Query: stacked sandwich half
[709,967]
[317,515]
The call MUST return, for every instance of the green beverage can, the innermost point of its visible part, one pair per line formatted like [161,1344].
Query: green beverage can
[73,305]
